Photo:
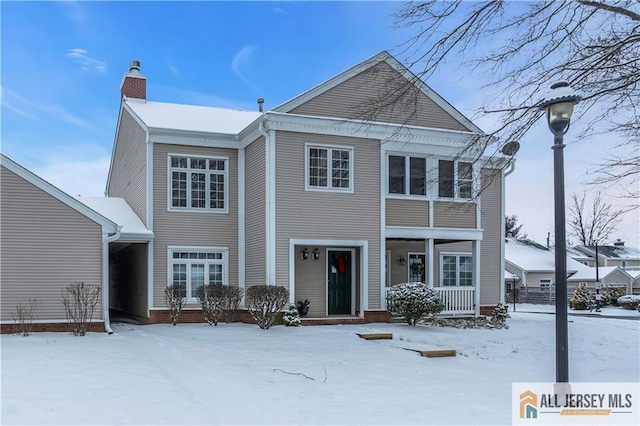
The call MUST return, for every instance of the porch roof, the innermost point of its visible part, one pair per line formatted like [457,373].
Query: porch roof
[118,211]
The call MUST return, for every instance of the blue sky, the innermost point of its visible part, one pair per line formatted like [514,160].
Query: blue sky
[62,64]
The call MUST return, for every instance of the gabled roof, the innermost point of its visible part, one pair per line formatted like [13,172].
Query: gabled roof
[365,65]
[588,273]
[191,118]
[57,193]
[533,257]
[118,211]
[611,252]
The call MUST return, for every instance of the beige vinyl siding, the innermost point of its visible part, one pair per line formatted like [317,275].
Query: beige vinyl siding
[617,277]
[327,215]
[401,212]
[202,229]
[461,247]
[400,273]
[128,279]
[450,214]
[533,278]
[491,214]
[45,246]
[308,274]
[352,99]
[255,214]
[618,262]
[129,166]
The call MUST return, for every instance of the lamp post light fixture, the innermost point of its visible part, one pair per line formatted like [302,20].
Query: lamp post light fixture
[558,106]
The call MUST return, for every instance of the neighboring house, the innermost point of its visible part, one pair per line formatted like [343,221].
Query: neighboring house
[635,275]
[611,255]
[49,240]
[313,195]
[608,276]
[534,266]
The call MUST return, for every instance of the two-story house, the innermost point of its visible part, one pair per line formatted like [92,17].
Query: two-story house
[317,195]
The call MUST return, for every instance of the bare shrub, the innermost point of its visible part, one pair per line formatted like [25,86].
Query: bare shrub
[264,302]
[212,299]
[80,301]
[175,298]
[24,316]
[232,299]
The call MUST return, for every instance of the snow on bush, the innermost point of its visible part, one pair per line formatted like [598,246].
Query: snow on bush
[232,299]
[629,301]
[615,293]
[292,317]
[500,314]
[175,299]
[413,301]
[264,302]
[581,298]
[212,300]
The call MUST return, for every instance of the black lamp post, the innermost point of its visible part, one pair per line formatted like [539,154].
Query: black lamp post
[558,106]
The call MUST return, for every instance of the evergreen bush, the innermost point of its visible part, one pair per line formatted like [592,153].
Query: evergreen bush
[413,301]
[581,298]
[291,316]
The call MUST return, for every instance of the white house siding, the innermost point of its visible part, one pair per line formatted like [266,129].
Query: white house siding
[491,214]
[327,215]
[449,214]
[407,212]
[129,166]
[45,246]
[191,228]
[350,99]
[255,222]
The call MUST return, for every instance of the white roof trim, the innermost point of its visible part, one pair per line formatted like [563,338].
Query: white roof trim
[366,64]
[57,193]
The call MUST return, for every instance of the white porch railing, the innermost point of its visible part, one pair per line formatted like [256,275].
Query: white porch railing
[457,300]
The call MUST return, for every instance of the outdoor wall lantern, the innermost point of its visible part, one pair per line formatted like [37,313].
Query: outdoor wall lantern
[316,254]
[402,260]
[558,107]
[304,254]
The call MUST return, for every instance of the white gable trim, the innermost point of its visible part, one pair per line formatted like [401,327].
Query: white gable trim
[37,181]
[363,66]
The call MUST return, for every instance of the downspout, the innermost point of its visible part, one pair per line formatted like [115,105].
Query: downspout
[268,195]
[105,277]
[512,167]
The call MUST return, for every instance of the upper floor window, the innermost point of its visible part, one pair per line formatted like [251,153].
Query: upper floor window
[407,175]
[329,168]
[455,179]
[456,270]
[198,183]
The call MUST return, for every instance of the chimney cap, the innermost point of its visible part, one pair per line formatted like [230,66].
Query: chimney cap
[260,103]
[134,66]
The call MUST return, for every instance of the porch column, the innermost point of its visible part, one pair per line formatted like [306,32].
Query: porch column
[430,264]
[476,275]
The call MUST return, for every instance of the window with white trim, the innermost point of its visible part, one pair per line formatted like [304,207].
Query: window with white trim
[412,183]
[190,269]
[417,263]
[329,168]
[197,183]
[456,270]
[455,179]
[545,282]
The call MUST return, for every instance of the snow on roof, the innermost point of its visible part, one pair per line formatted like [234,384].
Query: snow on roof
[117,210]
[635,274]
[509,276]
[614,252]
[192,118]
[531,256]
[588,273]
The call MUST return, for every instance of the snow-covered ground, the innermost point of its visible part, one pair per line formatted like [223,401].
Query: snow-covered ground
[237,374]
[609,311]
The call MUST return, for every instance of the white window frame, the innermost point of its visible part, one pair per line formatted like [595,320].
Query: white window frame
[329,148]
[545,283]
[407,176]
[171,261]
[457,255]
[188,170]
[456,189]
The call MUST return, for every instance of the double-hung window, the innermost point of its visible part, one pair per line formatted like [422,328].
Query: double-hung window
[198,183]
[456,270]
[329,168]
[546,282]
[455,179]
[192,268]
[407,175]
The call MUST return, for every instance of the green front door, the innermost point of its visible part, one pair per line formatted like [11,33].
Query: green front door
[339,271]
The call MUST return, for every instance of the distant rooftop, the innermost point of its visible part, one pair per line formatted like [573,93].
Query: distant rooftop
[615,252]
[531,256]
